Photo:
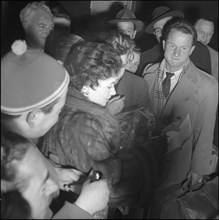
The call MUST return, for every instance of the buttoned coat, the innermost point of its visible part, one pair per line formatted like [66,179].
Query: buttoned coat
[195,94]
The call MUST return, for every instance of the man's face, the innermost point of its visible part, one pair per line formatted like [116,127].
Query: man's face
[41,24]
[127,28]
[177,49]
[133,65]
[158,28]
[40,188]
[205,31]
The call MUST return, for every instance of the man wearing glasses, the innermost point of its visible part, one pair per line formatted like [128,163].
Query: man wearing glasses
[37,22]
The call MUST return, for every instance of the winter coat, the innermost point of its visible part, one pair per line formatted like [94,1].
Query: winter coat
[88,136]
[196,94]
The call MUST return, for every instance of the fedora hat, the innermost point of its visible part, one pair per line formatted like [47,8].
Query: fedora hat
[125,15]
[160,13]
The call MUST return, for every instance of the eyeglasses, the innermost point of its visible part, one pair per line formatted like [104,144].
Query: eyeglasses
[46,27]
[130,57]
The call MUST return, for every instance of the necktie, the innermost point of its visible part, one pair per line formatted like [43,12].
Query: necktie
[166,84]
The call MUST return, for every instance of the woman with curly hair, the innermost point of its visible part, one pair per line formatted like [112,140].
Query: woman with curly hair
[87,136]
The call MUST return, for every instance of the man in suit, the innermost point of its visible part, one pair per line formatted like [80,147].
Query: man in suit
[205,31]
[161,15]
[190,93]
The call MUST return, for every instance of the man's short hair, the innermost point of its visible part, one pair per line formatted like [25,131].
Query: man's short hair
[204,19]
[180,25]
[30,9]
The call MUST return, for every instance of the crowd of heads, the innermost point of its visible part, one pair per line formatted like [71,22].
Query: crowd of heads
[34,87]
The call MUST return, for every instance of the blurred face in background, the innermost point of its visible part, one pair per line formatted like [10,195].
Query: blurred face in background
[132,66]
[205,30]
[158,28]
[40,26]
[127,28]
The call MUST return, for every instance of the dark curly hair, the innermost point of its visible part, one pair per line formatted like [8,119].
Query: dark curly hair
[90,62]
[120,42]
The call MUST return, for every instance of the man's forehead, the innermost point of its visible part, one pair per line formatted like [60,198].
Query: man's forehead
[207,25]
[126,24]
[179,36]
[42,15]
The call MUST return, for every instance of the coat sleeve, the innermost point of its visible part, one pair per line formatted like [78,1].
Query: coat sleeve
[100,142]
[71,211]
[203,136]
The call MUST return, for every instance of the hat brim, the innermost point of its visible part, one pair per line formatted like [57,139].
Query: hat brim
[139,24]
[149,28]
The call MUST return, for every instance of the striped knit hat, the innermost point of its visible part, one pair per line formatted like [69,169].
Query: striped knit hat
[30,79]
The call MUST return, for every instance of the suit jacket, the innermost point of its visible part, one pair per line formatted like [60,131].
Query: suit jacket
[214,62]
[135,90]
[195,94]
[200,57]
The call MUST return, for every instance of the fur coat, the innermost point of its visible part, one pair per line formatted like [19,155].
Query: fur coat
[88,136]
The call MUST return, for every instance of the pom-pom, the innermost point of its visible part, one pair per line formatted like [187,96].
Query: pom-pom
[19,47]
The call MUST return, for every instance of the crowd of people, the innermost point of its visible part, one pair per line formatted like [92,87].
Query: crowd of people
[92,126]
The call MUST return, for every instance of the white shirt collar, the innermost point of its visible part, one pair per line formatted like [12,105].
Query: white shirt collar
[176,74]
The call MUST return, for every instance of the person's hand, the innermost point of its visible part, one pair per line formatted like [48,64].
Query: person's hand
[171,127]
[67,176]
[196,178]
[94,196]
[116,104]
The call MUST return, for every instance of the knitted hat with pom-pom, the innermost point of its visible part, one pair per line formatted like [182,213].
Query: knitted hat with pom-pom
[30,79]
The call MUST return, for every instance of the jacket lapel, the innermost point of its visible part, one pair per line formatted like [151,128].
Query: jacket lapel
[185,88]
